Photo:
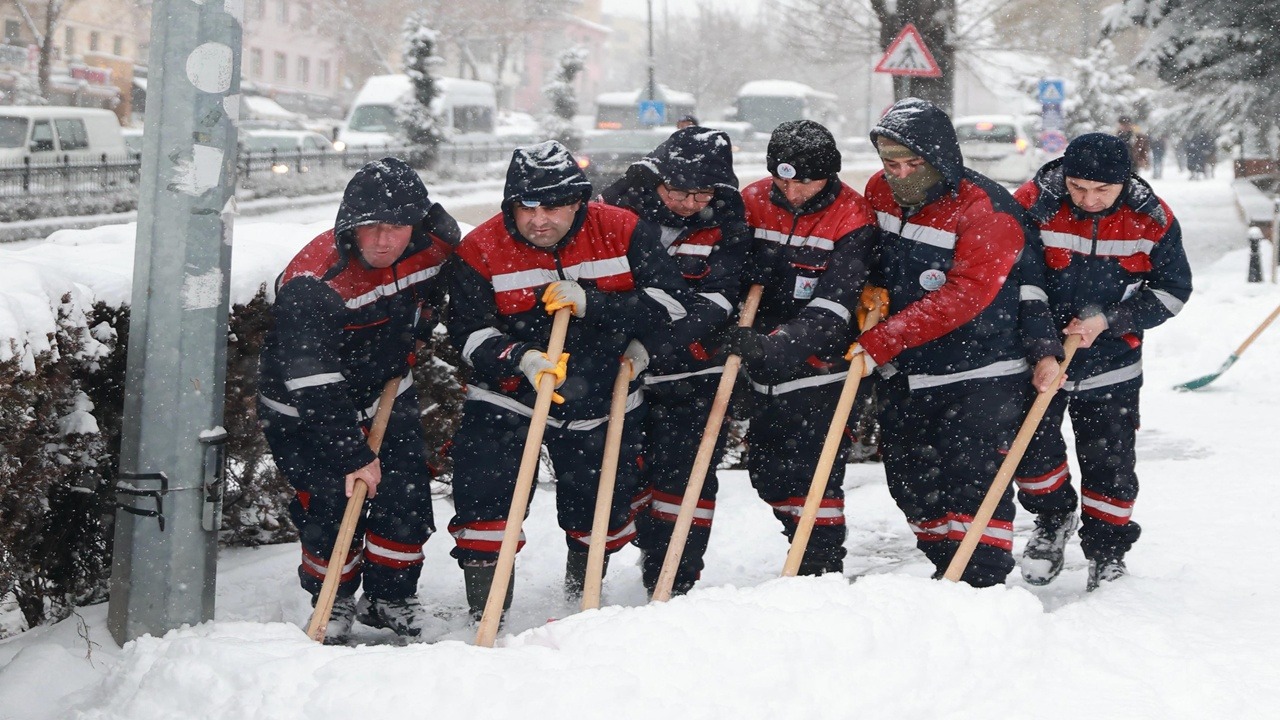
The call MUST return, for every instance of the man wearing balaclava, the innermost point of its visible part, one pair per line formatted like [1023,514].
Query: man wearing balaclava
[812,250]
[951,356]
[1115,267]
[549,248]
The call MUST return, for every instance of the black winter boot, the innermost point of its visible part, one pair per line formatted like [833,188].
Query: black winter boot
[575,574]
[1043,556]
[478,579]
[1105,569]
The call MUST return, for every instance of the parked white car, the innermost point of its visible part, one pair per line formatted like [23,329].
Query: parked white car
[1002,147]
[49,133]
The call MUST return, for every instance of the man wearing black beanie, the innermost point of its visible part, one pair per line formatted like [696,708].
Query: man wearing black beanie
[1116,267]
[811,250]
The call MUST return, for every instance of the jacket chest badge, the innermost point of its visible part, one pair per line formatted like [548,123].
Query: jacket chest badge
[805,287]
[932,279]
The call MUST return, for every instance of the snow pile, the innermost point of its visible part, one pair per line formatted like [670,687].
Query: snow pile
[96,265]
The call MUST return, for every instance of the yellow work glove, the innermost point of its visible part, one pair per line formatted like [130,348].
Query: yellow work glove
[565,294]
[535,363]
[873,298]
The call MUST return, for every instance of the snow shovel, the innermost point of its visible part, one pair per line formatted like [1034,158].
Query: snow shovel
[604,494]
[702,461]
[964,553]
[830,446]
[346,531]
[1206,379]
[488,629]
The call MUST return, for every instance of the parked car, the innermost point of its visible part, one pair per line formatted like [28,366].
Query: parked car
[1002,147]
[467,108]
[286,144]
[49,133]
[605,155]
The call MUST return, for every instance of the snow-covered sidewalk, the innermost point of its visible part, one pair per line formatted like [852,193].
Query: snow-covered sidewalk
[1190,634]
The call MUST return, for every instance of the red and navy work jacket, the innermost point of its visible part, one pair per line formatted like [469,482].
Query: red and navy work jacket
[817,263]
[1126,263]
[633,289]
[953,289]
[710,259]
[342,329]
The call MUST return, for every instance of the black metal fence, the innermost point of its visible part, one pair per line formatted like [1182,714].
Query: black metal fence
[113,173]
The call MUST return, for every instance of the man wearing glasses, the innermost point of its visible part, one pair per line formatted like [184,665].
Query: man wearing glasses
[688,188]
[812,248]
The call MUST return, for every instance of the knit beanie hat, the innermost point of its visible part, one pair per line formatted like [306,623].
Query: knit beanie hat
[802,150]
[545,174]
[1098,157]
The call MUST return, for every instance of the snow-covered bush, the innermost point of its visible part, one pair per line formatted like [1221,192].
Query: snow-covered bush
[563,99]
[422,126]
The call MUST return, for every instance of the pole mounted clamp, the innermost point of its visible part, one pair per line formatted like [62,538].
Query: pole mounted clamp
[125,487]
[214,443]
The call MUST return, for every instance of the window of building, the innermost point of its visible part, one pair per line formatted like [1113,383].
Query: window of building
[304,70]
[304,15]
[282,66]
[324,74]
[282,12]
[12,32]
[257,9]
[94,39]
[117,46]
[69,47]
[255,62]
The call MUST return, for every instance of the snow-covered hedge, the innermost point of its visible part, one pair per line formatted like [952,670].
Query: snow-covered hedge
[64,326]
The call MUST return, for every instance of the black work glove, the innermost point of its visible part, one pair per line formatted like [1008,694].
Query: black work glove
[745,343]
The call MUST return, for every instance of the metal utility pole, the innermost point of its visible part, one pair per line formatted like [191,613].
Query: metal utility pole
[170,482]
[653,87]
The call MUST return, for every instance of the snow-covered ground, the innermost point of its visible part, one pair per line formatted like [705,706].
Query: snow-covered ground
[1190,634]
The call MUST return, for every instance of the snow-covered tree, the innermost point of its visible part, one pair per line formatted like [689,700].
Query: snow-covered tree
[1221,56]
[563,99]
[1100,91]
[421,125]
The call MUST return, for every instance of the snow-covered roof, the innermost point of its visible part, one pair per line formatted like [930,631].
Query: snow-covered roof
[256,107]
[780,88]
[631,97]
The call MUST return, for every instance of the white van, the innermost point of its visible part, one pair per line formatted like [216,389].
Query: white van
[467,107]
[49,133]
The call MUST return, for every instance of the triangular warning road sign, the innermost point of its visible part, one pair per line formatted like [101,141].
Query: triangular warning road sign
[907,55]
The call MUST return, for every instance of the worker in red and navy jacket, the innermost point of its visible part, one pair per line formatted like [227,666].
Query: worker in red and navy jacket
[350,309]
[813,243]
[551,248]
[951,351]
[687,187]
[1115,267]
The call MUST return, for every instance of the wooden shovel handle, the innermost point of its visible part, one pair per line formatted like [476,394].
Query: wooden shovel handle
[702,461]
[964,553]
[488,629]
[319,622]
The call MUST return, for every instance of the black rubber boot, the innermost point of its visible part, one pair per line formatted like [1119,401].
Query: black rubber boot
[575,574]
[478,579]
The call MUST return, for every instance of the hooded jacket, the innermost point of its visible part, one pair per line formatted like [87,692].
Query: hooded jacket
[633,291]
[950,265]
[1126,262]
[341,328]
[710,247]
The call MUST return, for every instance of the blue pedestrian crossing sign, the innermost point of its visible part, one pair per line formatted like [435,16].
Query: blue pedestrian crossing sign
[652,112]
[1052,91]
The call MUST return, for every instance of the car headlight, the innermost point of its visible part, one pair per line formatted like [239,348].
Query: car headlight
[279,169]
[339,145]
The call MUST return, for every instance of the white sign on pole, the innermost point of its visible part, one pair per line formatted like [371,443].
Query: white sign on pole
[907,55]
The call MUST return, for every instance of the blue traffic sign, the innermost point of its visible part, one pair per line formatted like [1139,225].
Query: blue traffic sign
[652,112]
[1052,91]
